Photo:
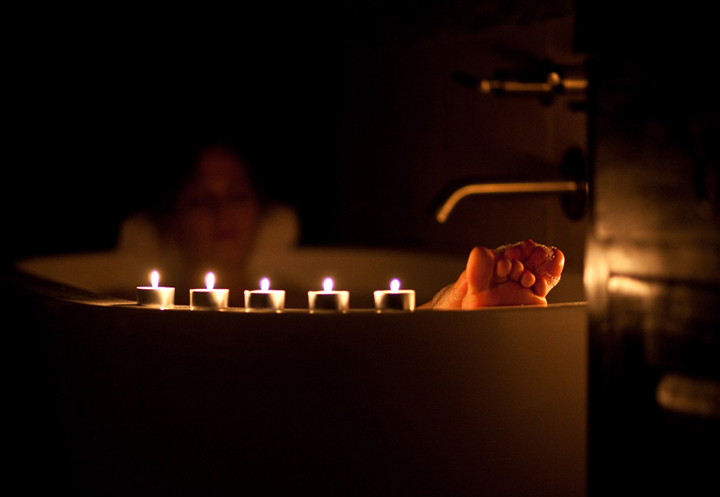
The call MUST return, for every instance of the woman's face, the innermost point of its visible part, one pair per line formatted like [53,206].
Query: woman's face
[216,213]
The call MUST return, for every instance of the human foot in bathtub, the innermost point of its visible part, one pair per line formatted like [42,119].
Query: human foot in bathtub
[519,274]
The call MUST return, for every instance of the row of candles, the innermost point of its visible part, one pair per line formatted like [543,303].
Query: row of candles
[266,299]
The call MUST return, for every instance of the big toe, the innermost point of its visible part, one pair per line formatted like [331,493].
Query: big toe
[479,275]
[480,269]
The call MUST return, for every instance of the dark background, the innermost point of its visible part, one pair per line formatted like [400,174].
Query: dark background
[105,103]
[350,113]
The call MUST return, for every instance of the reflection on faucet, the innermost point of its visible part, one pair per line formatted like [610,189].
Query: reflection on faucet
[507,188]
[574,189]
[552,84]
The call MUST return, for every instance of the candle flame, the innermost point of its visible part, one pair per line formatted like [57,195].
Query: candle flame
[395,285]
[328,284]
[210,281]
[264,284]
[154,279]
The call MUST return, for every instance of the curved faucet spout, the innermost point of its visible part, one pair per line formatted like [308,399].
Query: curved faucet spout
[562,187]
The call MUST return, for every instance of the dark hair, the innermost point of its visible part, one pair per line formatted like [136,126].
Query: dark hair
[175,163]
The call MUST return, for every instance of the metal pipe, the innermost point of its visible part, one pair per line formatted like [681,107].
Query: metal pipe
[553,84]
[506,189]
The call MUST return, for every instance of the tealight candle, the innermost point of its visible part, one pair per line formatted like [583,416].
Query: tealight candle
[209,297]
[264,299]
[328,299]
[154,295]
[394,299]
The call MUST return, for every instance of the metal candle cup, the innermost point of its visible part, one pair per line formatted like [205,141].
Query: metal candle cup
[201,298]
[162,296]
[155,296]
[394,299]
[209,297]
[264,300]
[328,300]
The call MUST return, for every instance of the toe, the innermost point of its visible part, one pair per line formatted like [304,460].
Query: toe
[541,287]
[480,268]
[538,256]
[527,279]
[479,274]
[516,271]
[502,269]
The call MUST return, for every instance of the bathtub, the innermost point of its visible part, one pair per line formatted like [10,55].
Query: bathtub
[360,271]
[183,402]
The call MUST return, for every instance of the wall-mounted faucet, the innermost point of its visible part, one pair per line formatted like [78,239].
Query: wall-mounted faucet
[553,83]
[544,84]
[560,187]
[574,189]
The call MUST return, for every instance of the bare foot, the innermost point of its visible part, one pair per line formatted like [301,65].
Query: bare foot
[519,274]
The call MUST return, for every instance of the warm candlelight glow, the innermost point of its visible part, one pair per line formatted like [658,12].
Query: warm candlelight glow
[155,295]
[209,297]
[328,300]
[394,300]
[264,300]
[154,279]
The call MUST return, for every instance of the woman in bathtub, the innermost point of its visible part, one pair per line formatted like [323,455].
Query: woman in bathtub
[519,274]
[213,219]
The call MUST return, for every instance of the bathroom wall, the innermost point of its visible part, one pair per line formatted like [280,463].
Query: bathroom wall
[409,130]
[350,111]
